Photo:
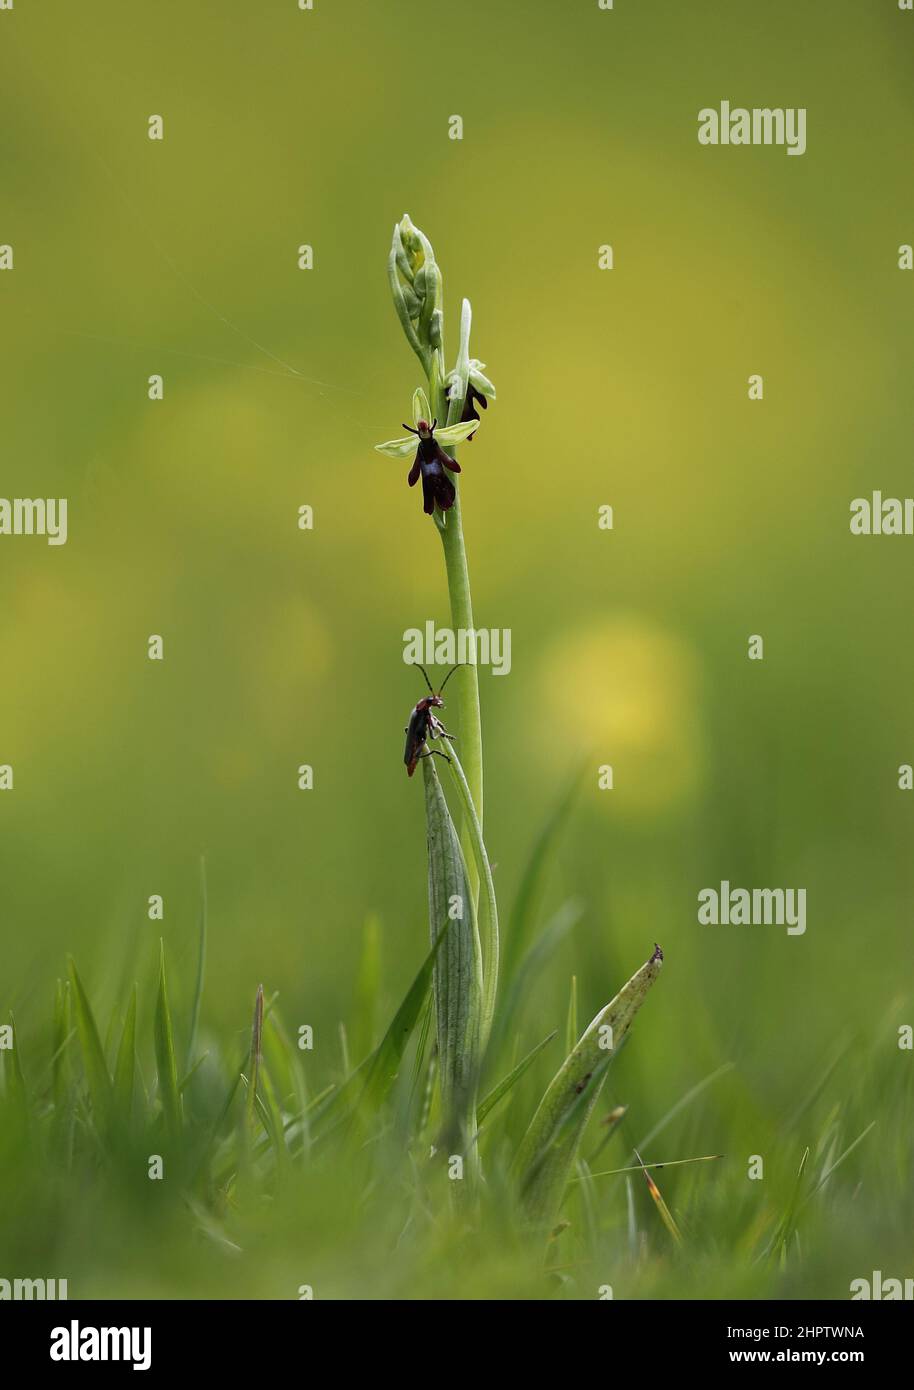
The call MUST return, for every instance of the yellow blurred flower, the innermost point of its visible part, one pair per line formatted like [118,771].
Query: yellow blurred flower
[625,692]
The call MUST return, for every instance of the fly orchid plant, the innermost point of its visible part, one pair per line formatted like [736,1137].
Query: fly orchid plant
[443,416]
[445,413]
[463,914]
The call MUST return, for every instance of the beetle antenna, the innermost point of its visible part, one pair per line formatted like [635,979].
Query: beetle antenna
[449,674]
[425,674]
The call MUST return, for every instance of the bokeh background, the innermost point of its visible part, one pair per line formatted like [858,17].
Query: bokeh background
[626,387]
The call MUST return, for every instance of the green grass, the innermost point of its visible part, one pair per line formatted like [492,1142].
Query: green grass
[280,1172]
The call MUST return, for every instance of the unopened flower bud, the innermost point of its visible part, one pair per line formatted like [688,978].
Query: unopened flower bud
[415,284]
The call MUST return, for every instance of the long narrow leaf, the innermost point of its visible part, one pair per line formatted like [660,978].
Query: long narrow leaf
[384,1065]
[63,1029]
[256,1057]
[94,1064]
[201,970]
[458,970]
[504,1086]
[488,906]
[165,1055]
[14,1081]
[784,1231]
[125,1065]
[666,1215]
[526,904]
[549,1147]
[367,990]
[518,984]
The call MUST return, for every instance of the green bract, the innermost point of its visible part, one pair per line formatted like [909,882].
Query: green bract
[475,377]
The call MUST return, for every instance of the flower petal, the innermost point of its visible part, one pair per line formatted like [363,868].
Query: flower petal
[398,448]
[455,434]
[482,383]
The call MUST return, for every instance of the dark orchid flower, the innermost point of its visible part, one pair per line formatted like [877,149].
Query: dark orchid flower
[431,463]
[473,398]
[479,391]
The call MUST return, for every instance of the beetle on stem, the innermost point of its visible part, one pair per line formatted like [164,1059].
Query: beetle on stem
[424,724]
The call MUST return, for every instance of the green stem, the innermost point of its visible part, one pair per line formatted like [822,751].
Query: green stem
[458,583]
[452,533]
[450,529]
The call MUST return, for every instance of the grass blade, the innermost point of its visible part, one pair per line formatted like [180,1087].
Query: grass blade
[504,1086]
[666,1215]
[643,1167]
[367,990]
[62,1031]
[849,1150]
[125,1064]
[527,902]
[94,1064]
[272,1114]
[279,1046]
[201,971]
[14,1081]
[384,1065]
[684,1101]
[256,1057]
[165,1054]
[518,984]
[782,1235]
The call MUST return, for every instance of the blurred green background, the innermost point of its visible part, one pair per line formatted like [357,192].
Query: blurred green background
[626,387]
